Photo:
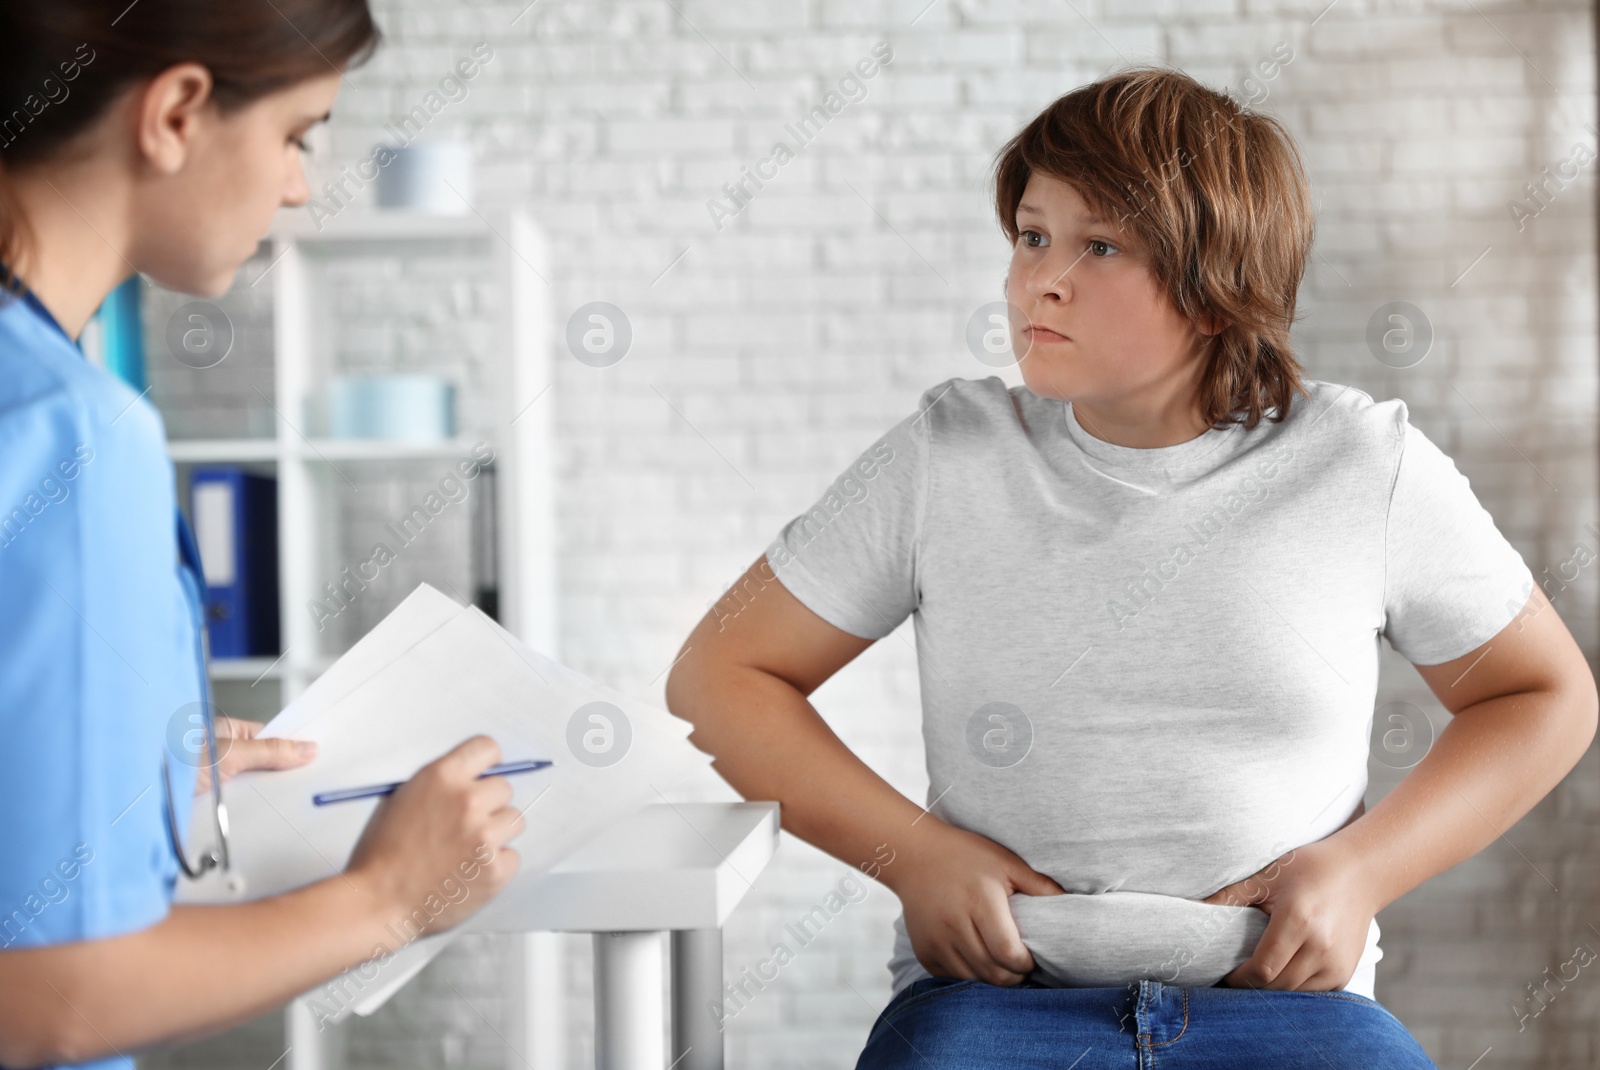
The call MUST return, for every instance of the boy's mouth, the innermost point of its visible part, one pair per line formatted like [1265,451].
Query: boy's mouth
[1044,335]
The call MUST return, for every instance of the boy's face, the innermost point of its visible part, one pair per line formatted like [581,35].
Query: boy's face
[1089,322]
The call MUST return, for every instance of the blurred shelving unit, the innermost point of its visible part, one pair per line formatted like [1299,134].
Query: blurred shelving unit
[518,432]
[517,429]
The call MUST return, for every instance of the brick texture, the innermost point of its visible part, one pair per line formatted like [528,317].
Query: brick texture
[792,336]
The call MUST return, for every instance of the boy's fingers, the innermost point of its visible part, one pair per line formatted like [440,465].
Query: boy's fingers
[980,952]
[1274,947]
[945,959]
[1002,943]
[1032,882]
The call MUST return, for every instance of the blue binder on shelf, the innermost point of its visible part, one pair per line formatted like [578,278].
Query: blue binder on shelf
[234,514]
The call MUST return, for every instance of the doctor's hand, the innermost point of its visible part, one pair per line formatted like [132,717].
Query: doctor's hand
[955,888]
[1320,914]
[433,852]
[238,749]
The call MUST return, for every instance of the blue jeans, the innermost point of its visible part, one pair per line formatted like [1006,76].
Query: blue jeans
[945,1024]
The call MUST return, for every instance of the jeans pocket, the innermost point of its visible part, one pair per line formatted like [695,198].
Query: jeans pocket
[1354,997]
[920,992]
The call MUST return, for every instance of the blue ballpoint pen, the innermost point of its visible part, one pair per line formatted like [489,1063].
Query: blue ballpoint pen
[346,794]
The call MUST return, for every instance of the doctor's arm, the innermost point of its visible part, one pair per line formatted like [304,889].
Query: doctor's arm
[205,968]
[743,680]
[1523,712]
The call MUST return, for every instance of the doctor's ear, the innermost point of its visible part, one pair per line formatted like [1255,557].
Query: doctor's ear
[168,113]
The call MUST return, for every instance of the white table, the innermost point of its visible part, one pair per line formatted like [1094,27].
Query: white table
[677,868]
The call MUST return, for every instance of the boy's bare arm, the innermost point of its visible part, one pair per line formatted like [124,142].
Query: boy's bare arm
[742,679]
[1524,711]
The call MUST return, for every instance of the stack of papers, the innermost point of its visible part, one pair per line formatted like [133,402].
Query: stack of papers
[429,676]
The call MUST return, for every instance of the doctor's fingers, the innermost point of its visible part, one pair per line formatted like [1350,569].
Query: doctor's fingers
[247,753]
[467,759]
[505,825]
[237,728]
[490,793]
[504,861]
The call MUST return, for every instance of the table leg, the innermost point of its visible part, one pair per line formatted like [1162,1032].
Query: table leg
[534,1028]
[629,975]
[697,999]
[312,1043]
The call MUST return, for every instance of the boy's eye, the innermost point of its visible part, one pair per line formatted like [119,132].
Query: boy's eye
[1096,241]
[1032,238]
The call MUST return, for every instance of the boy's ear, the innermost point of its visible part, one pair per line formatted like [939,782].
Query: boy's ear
[1210,324]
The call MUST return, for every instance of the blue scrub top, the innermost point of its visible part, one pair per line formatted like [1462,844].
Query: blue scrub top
[98,642]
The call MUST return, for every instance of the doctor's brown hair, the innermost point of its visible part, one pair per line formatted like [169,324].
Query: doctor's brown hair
[1215,193]
[64,62]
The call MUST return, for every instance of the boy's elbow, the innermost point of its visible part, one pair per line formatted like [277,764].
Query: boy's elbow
[1589,706]
[675,695]
[685,686]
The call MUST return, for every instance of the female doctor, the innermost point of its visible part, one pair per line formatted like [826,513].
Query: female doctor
[158,140]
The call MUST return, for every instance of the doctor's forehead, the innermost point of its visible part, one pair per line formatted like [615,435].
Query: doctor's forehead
[309,100]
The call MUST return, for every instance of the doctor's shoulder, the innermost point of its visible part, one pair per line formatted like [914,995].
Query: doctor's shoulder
[49,389]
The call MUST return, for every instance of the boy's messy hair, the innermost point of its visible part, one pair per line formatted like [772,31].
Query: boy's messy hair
[1217,196]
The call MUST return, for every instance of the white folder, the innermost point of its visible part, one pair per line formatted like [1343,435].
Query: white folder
[429,676]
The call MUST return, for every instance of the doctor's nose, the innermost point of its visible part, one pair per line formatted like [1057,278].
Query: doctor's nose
[295,190]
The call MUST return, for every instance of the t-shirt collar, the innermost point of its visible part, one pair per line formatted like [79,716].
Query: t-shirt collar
[1180,456]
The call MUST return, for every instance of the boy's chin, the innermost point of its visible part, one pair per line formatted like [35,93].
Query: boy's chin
[1038,379]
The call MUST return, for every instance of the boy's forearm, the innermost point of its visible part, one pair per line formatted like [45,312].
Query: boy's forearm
[198,971]
[1490,766]
[769,742]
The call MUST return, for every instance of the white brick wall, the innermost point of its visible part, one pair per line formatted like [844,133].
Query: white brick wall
[812,321]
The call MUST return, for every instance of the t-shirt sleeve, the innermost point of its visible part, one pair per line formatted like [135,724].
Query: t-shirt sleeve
[1452,580]
[851,558]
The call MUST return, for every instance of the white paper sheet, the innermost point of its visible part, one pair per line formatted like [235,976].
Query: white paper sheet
[426,678]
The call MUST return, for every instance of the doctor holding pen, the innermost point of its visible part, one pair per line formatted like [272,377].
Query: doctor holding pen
[158,140]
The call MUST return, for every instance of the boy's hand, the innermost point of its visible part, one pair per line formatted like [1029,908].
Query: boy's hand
[1320,915]
[954,888]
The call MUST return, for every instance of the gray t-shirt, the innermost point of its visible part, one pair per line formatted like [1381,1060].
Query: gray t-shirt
[1151,672]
